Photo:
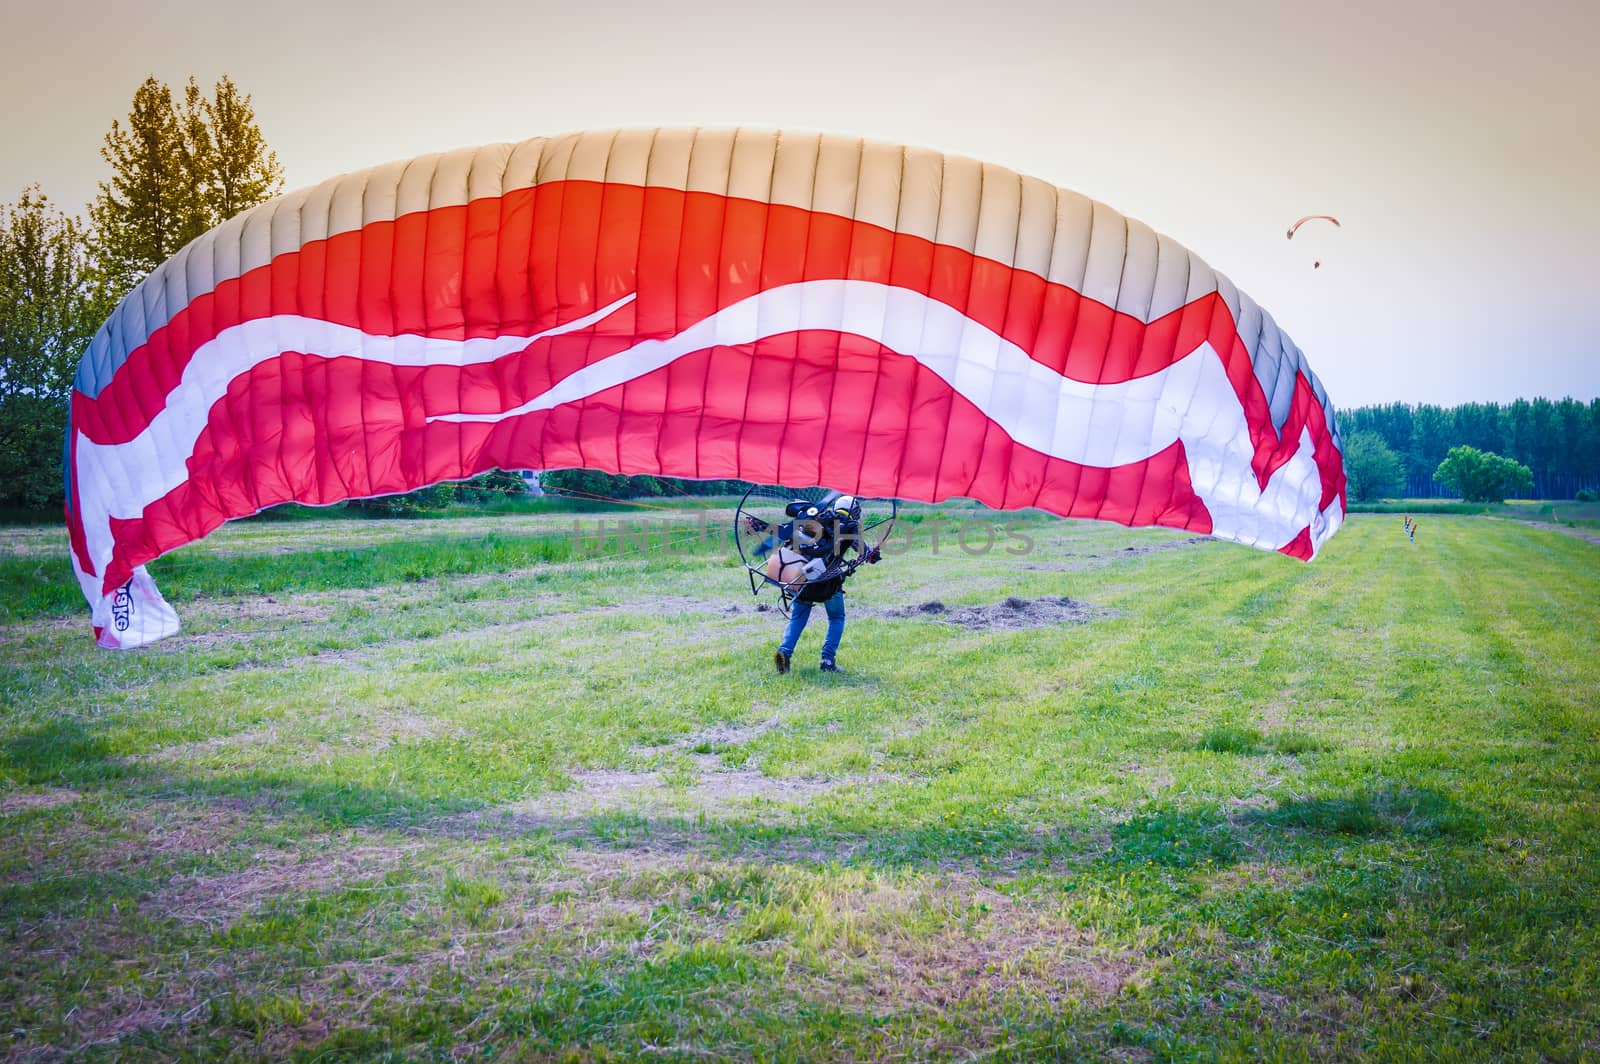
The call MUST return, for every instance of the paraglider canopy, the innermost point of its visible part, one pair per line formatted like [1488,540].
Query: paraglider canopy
[1295,228]
[735,304]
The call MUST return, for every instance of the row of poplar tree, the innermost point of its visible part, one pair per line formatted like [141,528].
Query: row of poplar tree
[1395,449]
[180,164]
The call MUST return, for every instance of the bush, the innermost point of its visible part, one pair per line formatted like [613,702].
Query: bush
[31,431]
[491,486]
[1589,495]
[411,504]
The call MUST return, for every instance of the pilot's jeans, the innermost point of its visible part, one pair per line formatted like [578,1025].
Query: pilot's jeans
[800,613]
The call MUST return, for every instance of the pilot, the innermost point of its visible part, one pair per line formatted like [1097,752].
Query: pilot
[810,564]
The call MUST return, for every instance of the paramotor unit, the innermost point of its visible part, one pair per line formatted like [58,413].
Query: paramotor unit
[770,520]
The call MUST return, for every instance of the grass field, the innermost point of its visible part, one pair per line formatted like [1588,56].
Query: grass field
[468,788]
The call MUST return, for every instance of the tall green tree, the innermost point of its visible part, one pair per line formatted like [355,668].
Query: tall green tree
[1372,468]
[50,305]
[178,168]
[241,171]
[152,205]
[1480,476]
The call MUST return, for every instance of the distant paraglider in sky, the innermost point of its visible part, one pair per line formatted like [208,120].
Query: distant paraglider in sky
[741,304]
[1295,228]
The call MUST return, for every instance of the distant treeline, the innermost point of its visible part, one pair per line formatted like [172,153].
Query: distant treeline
[1558,440]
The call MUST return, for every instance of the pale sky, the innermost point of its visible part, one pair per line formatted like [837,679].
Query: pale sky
[1458,142]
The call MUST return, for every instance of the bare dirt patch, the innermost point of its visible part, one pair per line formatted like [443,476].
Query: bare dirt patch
[382,730]
[368,732]
[1273,714]
[1156,778]
[39,540]
[698,784]
[313,607]
[590,905]
[714,791]
[1009,613]
[241,741]
[1152,548]
[46,626]
[990,944]
[915,942]
[22,801]
[726,735]
[136,835]
[174,992]
[701,784]
[1256,874]
[218,900]
[212,624]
